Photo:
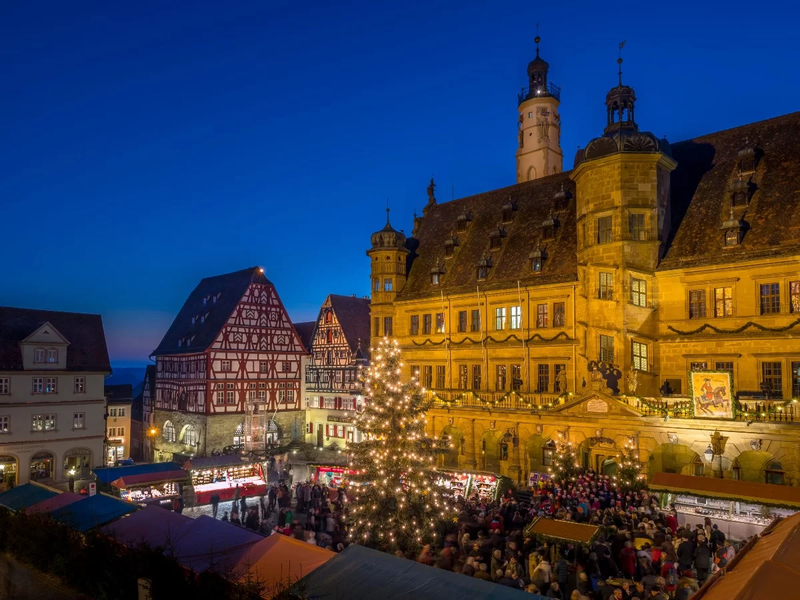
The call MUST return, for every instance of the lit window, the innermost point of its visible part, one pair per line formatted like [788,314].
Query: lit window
[516,377]
[190,436]
[52,355]
[638,292]
[604,235]
[698,366]
[435,278]
[606,349]
[536,265]
[5,424]
[439,322]
[169,432]
[387,285]
[639,356]
[636,227]
[732,237]
[5,385]
[794,296]
[516,317]
[723,302]
[541,315]
[500,318]
[606,286]
[463,377]
[558,314]
[51,386]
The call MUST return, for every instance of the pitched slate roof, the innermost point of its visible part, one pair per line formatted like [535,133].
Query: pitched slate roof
[353,316]
[87,349]
[534,200]
[701,194]
[221,293]
[306,332]
[122,393]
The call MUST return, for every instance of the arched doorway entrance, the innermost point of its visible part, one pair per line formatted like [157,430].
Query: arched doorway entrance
[609,467]
[759,466]
[8,472]
[490,452]
[454,437]
[43,465]
[77,462]
[674,458]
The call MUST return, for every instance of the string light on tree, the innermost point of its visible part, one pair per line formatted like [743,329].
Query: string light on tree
[564,465]
[629,475]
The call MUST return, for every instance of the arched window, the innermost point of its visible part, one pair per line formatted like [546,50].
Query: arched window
[737,470]
[774,473]
[169,432]
[698,470]
[190,436]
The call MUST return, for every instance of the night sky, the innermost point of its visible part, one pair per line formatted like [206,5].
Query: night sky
[146,145]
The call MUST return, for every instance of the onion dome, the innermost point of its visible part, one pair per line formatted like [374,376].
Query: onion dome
[388,237]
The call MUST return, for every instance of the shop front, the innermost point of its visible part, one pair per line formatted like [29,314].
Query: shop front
[8,472]
[151,488]
[43,466]
[77,463]
[740,508]
[222,475]
[330,475]
[486,486]
[115,452]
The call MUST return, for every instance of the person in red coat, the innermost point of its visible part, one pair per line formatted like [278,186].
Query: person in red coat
[672,522]
[627,560]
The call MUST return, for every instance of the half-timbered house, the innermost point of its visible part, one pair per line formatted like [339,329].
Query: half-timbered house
[339,347]
[228,371]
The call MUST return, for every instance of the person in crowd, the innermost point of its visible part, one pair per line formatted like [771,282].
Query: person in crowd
[214,504]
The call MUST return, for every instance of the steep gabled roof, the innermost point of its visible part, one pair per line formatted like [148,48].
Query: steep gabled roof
[306,332]
[87,349]
[353,316]
[221,294]
[534,201]
[122,393]
[702,190]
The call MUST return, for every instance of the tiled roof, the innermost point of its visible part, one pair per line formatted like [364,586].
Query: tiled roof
[353,316]
[702,186]
[534,202]
[122,393]
[221,293]
[87,349]
[306,332]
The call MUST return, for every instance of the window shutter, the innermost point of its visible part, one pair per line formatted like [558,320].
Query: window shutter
[327,431]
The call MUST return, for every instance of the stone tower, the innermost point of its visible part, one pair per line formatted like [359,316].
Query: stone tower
[388,274]
[539,151]
[622,197]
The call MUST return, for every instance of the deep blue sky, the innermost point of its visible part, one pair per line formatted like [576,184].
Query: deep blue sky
[146,145]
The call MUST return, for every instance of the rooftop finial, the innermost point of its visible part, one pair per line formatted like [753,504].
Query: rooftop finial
[619,61]
[387,210]
[537,39]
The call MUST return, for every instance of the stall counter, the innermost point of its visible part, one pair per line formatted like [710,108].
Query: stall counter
[248,486]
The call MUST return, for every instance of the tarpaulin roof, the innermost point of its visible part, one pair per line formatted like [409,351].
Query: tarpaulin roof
[770,568]
[211,462]
[565,530]
[207,542]
[153,525]
[358,572]
[280,558]
[106,475]
[127,481]
[55,502]
[26,495]
[727,489]
[94,511]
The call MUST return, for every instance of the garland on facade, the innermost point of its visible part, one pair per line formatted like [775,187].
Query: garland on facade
[535,337]
[741,329]
[629,476]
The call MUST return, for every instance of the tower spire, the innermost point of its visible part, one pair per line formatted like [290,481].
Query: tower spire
[619,60]
[537,39]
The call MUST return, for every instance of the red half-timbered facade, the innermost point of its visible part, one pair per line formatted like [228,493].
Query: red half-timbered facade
[228,371]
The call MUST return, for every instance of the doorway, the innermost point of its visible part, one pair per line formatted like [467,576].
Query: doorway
[320,436]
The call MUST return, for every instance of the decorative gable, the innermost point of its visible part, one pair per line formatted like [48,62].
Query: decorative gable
[598,404]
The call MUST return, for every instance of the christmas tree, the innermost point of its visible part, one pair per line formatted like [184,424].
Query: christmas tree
[564,464]
[396,502]
[629,475]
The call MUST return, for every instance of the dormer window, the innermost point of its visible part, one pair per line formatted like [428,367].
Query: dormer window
[537,258]
[450,246]
[496,238]
[205,300]
[463,220]
[741,193]
[435,278]
[509,208]
[437,272]
[732,229]
[732,238]
[746,160]
[561,200]
[484,265]
[549,226]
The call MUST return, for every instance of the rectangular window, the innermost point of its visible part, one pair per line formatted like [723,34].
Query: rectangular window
[439,322]
[415,372]
[556,372]
[604,230]
[463,377]
[794,296]
[772,378]
[606,349]
[52,355]
[376,285]
[5,424]
[120,431]
[558,314]
[387,325]
[541,315]
[38,355]
[500,377]
[724,366]
[770,298]
[37,422]
[231,398]
[636,227]
[112,412]
[543,378]
[38,385]
[795,379]
[516,377]
[516,317]
[723,302]
[500,318]
[698,366]
[329,403]
[462,321]
[427,376]
[414,325]
[262,366]
[51,387]
[376,326]
[225,365]
[639,352]
[286,366]
[638,292]
[121,412]
[606,286]
[440,377]
[426,324]
[476,377]
[697,304]
[387,285]
[475,323]
[112,432]
[220,397]
[5,385]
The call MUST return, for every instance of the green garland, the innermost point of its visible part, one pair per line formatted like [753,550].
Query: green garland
[741,329]
[743,500]
[513,336]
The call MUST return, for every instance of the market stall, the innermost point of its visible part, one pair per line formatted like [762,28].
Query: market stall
[330,475]
[454,484]
[740,508]
[556,531]
[488,486]
[222,475]
[151,488]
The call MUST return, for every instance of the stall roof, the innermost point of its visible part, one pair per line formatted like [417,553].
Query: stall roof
[358,572]
[728,489]
[210,543]
[55,502]
[127,481]
[106,475]
[92,512]
[278,558]
[153,525]
[211,462]
[767,569]
[565,530]
[24,496]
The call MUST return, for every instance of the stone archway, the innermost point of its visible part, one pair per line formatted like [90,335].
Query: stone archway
[454,436]
[753,465]
[490,451]
[77,462]
[674,458]
[9,471]
[43,465]
[537,451]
